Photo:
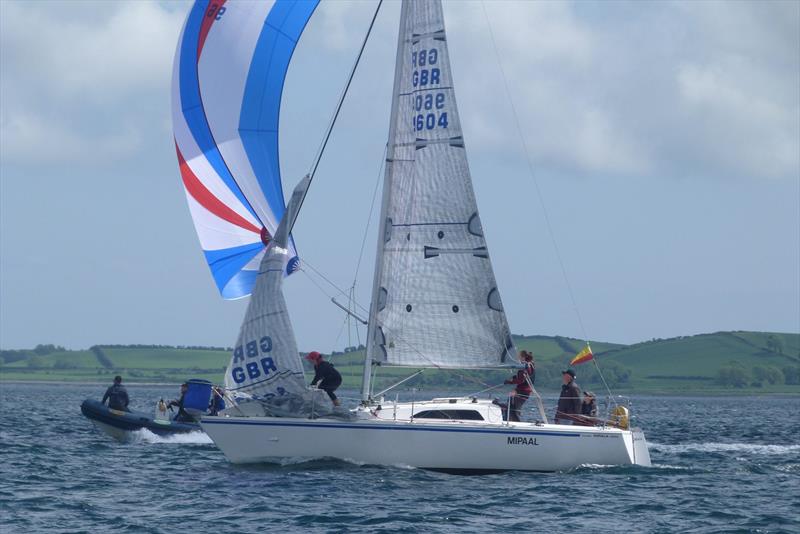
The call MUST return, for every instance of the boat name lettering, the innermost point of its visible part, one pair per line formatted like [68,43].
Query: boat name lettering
[520,440]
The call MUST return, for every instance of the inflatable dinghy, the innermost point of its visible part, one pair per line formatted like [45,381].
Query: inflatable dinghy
[119,424]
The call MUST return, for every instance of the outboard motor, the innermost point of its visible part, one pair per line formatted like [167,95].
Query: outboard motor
[197,397]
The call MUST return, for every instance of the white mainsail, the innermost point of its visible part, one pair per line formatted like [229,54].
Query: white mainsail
[435,300]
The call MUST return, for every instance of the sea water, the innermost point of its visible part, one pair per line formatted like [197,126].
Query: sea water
[719,465]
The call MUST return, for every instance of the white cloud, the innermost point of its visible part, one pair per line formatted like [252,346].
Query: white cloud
[30,138]
[668,89]
[89,83]
[683,88]
[733,117]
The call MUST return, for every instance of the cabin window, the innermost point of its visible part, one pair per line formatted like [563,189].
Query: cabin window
[470,415]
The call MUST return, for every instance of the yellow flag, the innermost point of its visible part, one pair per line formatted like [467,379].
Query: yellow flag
[583,356]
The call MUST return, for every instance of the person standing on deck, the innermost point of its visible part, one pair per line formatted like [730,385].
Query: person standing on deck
[326,377]
[523,380]
[116,395]
[569,402]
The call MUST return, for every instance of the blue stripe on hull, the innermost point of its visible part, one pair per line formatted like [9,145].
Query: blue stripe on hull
[370,426]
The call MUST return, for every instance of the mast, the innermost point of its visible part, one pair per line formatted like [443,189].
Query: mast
[387,176]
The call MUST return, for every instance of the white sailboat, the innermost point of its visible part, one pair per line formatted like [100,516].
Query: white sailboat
[435,303]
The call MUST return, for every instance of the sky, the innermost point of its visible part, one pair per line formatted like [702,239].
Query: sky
[663,140]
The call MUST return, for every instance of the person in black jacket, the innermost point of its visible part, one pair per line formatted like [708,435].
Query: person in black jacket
[326,377]
[589,405]
[569,402]
[116,395]
[183,415]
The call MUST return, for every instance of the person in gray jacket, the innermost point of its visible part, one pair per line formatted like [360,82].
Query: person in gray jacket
[569,402]
[116,395]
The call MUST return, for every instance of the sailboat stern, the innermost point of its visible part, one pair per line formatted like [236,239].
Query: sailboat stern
[636,445]
[640,454]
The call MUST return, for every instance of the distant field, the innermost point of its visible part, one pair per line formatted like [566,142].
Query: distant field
[168,358]
[686,365]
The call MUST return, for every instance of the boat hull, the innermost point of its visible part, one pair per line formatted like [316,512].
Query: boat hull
[451,447]
[119,424]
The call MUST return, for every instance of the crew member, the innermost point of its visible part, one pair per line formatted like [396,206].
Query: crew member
[523,380]
[569,402]
[217,400]
[589,406]
[182,416]
[326,377]
[117,395]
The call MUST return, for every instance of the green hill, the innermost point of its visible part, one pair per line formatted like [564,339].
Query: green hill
[722,362]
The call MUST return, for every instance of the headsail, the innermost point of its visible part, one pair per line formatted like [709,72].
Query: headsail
[228,76]
[265,362]
[435,300]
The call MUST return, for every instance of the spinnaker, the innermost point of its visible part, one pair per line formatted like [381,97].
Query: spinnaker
[228,76]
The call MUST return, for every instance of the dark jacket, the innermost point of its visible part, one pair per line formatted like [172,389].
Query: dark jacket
[327,376]
[570,400]
[589,409]
[217,404]
[183,415]
[523,388]
[117,397]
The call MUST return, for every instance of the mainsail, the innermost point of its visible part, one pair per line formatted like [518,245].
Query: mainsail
[228,76]
[435,300]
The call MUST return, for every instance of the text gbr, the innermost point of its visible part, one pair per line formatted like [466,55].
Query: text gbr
[253,369]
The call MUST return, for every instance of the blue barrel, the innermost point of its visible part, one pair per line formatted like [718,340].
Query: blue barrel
[197,397]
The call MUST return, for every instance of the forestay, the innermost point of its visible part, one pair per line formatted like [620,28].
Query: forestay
[435,300]
[228,77]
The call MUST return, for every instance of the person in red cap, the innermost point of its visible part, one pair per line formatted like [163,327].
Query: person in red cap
[326,377]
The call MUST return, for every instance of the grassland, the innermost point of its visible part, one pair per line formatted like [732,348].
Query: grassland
[683,365]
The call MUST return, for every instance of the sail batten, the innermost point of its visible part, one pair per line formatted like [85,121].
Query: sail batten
[435,300]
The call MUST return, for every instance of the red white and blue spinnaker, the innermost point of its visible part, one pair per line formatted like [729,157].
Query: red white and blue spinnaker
[228,78]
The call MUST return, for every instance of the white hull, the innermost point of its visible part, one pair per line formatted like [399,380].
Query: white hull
[448,446]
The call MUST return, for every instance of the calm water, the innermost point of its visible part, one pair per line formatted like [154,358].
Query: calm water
[720,465]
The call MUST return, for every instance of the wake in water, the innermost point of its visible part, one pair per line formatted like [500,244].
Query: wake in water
[751,448]
[192,438]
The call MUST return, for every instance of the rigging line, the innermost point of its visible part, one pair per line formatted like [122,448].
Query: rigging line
[344,93]
[600,374]
[533,176]
[341,329]
[550,230]
[302,270]
[371,211]
[332,123]
[333,285]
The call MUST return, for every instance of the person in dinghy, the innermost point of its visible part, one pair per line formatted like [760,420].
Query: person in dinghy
[117,396]
[326,377]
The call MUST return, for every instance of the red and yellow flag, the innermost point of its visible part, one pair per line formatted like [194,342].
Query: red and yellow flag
[583,356]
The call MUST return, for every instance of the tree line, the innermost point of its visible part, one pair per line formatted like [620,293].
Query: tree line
[736,375]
